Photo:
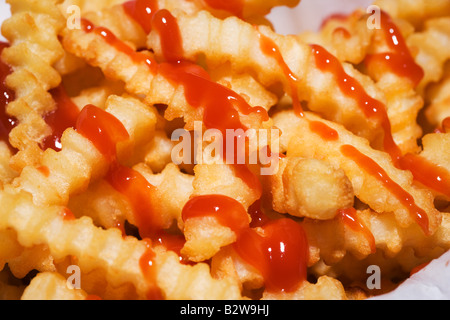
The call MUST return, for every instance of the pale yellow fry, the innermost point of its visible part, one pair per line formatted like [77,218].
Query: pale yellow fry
[51,286]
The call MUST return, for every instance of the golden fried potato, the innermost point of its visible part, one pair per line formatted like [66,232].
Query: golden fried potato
[309,188]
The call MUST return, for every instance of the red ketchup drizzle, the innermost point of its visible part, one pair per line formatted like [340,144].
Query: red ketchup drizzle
[257,215]
[112,40]
[221,105]
[173,242]
[105,131]
[427,173]
[372,168]
[227,211]
[7,123]
[324,131]
[280,254]
[269,48]
[142,12]
[349,217]
[139,192]
[64,116]
[67,215]
[218,101]
[148,267]
[235,7]
[167,27]
[372,108]
[44,170]
[399,60]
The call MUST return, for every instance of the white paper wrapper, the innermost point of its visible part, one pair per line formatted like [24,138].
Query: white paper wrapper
[432,282]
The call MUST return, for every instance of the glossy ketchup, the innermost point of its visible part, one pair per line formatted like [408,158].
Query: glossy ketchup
[7,122]
[221,105]
[63,117]
[166,25]
[148,267]
[142,12]
[446,125]
[435,177]
[350,218]
[270,48]
[398,59]
[112,40]
[139,193]
[372,109]
[227,211]
[279,252]
[372,168]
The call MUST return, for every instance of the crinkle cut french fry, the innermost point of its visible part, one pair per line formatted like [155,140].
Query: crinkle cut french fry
[348,39]
[51,286]
[403,103]
[96,248]
[367,188]
[219,41]
[32,32]
[81,159]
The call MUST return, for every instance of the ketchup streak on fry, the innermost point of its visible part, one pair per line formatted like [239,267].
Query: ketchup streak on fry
[280,253]
[147,264]
[399,59]
[372,168]
[142,12]
[111,39]
[269,48]
[67,214]
[373,109]
[350,218]
[63,117]
[324,131]
[221,105]
[227,211]
[7,123]
[427,173]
